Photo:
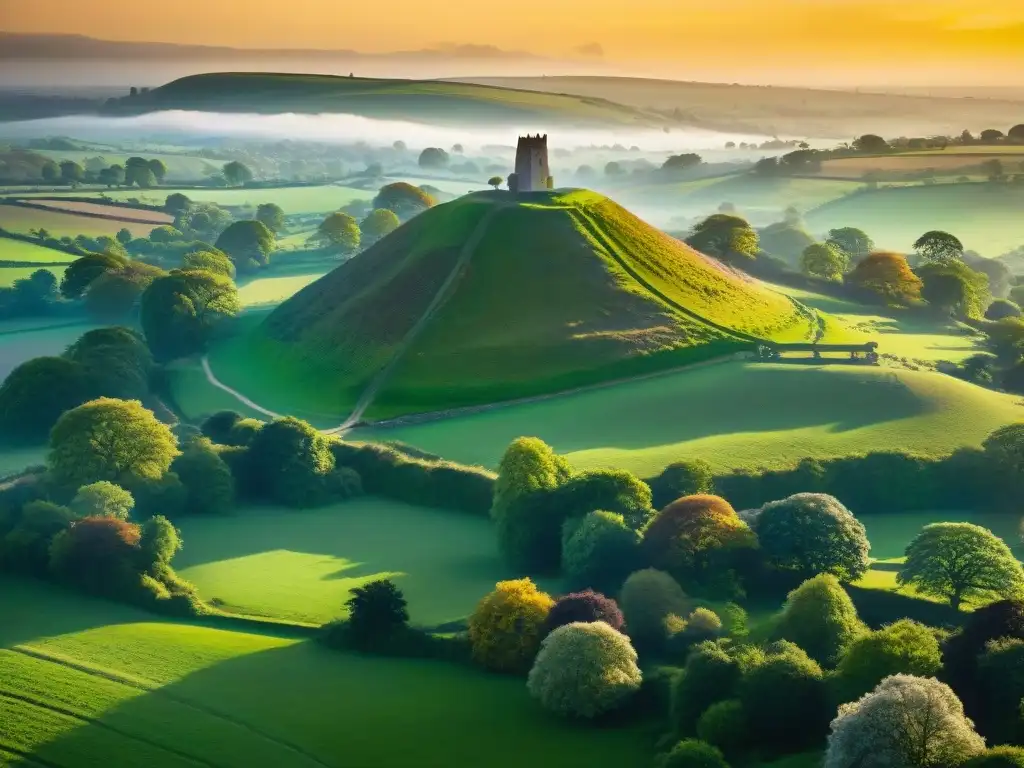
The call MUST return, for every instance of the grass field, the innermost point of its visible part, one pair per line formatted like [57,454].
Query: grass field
[539,296]
[318,199]
[17,219]
[986,217]
[9,274]
[273,290]
[950,162]
[300,565]
[732,415]
[18,250]
[897,333]
[19,342]
[153,218]
[81,680]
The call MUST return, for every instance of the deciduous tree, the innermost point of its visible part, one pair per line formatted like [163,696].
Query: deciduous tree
[888,276]
[820,618]
[181,311]
[505,629]
[726,237]
[938,247]
[248,244]
[103,499]
[271,216]
[823,260]
[904,647]
[339,231]
[958,561]
[236,174]
[378,223]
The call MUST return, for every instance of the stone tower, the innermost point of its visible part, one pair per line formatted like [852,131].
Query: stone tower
[532,171]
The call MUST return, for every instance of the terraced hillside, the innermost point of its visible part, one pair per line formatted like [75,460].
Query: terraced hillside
[488,298]
[421,100]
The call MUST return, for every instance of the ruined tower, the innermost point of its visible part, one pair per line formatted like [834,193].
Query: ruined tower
[532,172]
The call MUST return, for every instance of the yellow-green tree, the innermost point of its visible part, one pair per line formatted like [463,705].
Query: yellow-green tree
[505,629]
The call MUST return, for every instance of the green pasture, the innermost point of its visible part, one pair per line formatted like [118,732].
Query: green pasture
[732,415]
[18,250]
[265,291]
[14,218]
[8,275]
[985,216]
[20,341]
[897,332]
[81,679]
[300,565]
[195,398]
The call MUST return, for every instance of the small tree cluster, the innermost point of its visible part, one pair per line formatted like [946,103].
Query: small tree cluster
[506,628]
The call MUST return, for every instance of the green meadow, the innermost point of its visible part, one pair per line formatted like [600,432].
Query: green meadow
[8,275]
[302,199]
[15,218]
[81,679]
[732,414]
[18,250]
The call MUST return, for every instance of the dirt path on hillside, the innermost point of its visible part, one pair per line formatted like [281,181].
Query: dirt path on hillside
[381,377]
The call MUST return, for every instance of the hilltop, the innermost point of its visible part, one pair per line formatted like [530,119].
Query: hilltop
[434,101]
[491,298]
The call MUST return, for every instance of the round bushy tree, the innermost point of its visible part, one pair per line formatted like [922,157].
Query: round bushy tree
[37,392]
[96,553]
[209,260]
[584,669]
[682,478]
[159,542]
[811,533]
[823,260]
[724,725]
[181,311]
[1001,689]
[585,606]
[785,699]
[599,551]
[339,231]
[961,560]
[271,216]
[81,273]
[404,199]
[908,721]
[647,599]
[888,276]
[710,676]
[107,439]
[206,477]
[695,538]
[904,647]
[529,521]
[1000,309]
[103,499]
[378,223]
[248,244]
[289,462]
[820,618]
[117,359]
[377,610]
[505,629]
[692,753]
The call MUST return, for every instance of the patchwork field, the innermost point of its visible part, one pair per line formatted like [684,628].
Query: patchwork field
[17,219]
[985,216]
[80,678]
[732,415]
[300,565]
[319,199]
[154,218]
[18,250]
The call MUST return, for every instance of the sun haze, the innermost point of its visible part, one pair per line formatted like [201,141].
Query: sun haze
[810,41]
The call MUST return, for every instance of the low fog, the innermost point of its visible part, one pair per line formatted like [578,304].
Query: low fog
[198,128]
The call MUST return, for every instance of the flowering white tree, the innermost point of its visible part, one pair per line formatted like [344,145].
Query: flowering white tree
[907,721]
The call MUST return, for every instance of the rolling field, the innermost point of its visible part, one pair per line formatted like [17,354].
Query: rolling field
[319,199]
[80,679]
[950,162]
[300,565]
[266,291]
[732,415]
[986,217]
[19,342]
[18,250]
[17,219]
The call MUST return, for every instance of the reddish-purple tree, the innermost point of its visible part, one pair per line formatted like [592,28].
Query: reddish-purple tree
[587,606]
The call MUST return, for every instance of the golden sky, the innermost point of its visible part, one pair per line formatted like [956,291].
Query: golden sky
[730,37]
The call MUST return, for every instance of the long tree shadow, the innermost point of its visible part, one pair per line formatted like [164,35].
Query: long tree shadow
[307,707]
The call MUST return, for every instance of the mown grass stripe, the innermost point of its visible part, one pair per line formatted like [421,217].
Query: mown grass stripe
[25,758]
[33,702]
[153,688]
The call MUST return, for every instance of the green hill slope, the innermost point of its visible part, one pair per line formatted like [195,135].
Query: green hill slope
[732,415]
[488,298]
[434,100]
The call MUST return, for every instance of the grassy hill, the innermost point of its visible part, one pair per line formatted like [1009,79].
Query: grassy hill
[732,415]
[435,101]
[487,299]
[985,216]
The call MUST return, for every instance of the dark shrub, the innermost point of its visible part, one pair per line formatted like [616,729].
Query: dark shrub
[584,606]
[208,482]
[724,725]
[711,675]
[96,554]
[692,753]
[289,462]
[599,550]
[683,478]
[376,612]
[218,426]
[37,392]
